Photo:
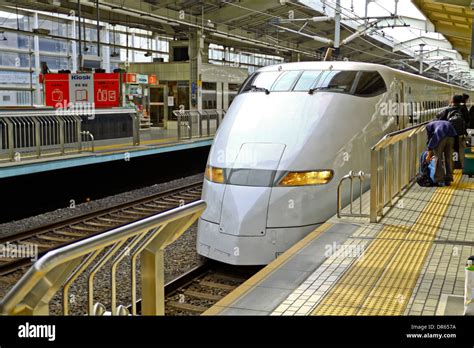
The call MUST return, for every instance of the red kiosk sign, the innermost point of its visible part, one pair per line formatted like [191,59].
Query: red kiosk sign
[106,89]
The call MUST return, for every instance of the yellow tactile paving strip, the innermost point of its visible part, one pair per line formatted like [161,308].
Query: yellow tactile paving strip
[143,142]
[382,280]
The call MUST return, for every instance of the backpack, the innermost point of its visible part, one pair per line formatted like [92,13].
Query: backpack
[457,121]
[425,177]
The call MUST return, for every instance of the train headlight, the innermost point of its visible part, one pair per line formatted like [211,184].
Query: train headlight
[215,174]
[316,177]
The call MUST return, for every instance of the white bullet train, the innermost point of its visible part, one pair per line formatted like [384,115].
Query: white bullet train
[289,136]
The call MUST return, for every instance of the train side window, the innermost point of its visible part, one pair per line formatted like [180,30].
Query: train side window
[324,78]
[370,84]
[286,81]
[307,80]
[338,81]
[248,83]
[266,79]
[261,80]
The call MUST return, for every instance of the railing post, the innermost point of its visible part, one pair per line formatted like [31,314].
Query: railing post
[61,134]
[400,168]
[406,160]
[136,129]
[190,125]
[153,282]
[200,123]
[373,185]
[37,137]
[178,122]
[152,266]
[413,157]
[390,184]
[11,139]
[380,181]
[78,132]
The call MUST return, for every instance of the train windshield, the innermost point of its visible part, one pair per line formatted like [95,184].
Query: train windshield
[358,83]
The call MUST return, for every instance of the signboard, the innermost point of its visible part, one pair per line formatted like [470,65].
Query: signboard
[106,90]
[81,88]
[135,91]
[142,78]
[152,80]
[131,78]
[56,90]
[102,89]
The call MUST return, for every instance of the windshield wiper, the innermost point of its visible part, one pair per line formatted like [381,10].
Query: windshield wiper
[259,89]
[312,90]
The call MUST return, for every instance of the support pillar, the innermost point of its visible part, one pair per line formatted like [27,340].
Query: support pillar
[196,46]
[37,62]
[337,29]
[106,49]
[421,58]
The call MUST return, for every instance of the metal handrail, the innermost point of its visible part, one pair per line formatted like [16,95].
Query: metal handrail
[392,174]
[351,176]
[192,122]
[59,268]
[89,135]
[35,135]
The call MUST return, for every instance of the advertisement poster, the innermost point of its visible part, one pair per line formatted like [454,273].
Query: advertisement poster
[81,88]
[106,90]
[56,90]
[102,89]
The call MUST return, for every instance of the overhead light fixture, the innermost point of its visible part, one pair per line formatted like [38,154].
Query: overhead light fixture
[115,54]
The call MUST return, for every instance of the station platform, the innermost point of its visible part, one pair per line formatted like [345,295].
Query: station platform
[411,262]
[153,141]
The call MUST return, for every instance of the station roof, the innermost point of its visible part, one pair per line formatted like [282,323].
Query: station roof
[246,24]
[294,29]
[453,19]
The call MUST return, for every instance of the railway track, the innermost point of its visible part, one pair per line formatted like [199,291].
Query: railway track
[202,287]
[55,235]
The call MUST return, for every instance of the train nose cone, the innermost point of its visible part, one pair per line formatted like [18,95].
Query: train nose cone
[238,234]
[246,198]
[244,211]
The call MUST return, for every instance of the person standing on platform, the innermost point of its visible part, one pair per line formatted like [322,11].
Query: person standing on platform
[441,136]
[454,114]
[464,109]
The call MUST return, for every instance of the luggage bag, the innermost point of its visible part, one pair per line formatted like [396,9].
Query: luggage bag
[468,161]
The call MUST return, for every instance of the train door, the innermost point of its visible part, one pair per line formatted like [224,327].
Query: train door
[402,119]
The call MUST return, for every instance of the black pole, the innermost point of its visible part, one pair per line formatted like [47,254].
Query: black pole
[80,37]
[98,29]
[472,44]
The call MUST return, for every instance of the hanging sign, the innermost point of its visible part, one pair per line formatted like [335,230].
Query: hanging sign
[142,78]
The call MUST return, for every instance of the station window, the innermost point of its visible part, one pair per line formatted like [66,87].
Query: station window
[286,81]
[370,84]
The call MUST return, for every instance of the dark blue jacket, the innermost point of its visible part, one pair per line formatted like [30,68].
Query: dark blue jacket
[437,130]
